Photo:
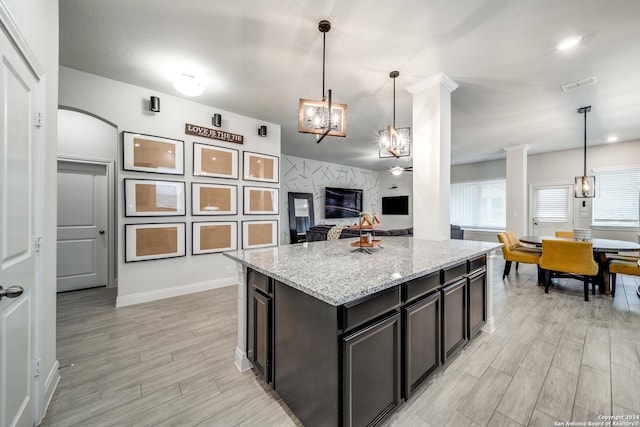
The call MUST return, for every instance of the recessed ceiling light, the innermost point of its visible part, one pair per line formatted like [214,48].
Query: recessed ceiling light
[612,138]
[188,84]
[568,43]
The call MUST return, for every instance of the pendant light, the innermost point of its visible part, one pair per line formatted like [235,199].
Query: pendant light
[323,117]
[394,142]
[585,186]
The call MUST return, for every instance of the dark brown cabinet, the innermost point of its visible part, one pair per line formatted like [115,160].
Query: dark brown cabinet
[353,364]
[260,330]
[454,317]
[421,321]
[477,302]
[371,372]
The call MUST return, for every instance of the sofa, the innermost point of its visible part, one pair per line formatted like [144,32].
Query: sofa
[319,232]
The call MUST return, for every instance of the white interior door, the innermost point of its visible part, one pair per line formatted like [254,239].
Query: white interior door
[552,209]
[18,178]
[82,225]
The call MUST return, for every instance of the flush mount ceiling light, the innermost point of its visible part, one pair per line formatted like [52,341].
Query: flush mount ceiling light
[585,186]
[394,142]
[568,43]
[322,117]
[187,84]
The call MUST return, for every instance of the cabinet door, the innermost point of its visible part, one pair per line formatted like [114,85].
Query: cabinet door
[422,341]
[477,303]
[260,348]
[454,318]
[371,372]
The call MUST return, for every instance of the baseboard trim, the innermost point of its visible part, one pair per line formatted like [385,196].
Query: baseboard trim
[141,297]
[50,385]
[242,363]
[490,326]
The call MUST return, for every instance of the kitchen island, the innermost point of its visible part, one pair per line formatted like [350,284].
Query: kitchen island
[345,337]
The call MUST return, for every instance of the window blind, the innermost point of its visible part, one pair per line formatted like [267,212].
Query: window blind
[617,200]
[551,204]
[479,204]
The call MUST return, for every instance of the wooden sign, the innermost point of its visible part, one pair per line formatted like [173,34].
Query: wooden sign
[190,129]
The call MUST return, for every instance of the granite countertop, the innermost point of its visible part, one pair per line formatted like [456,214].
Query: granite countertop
[329,271]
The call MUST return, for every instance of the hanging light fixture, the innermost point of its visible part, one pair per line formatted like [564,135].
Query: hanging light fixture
[322,117]
[585,186]
[394,142]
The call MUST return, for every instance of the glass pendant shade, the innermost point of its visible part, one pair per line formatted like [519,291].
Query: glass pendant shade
[392,141]
[585,187]
[322,117]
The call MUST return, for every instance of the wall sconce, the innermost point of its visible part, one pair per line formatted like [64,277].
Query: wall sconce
[262,131]
[154,104]
[216,120]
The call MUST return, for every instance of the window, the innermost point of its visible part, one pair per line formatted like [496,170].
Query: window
[480,204]
[617,201]
[551,204]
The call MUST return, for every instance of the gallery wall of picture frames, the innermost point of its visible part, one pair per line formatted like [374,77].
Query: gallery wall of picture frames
[158,198]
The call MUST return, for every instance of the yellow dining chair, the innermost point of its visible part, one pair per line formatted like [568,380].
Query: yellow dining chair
[515,252]
[622,264]
[567,256]
[564,233]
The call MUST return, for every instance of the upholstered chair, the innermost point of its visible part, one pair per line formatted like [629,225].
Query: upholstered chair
[622,264]
[568,256]
[515,252]
[564,233]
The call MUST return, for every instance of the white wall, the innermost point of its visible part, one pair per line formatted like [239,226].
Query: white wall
[81,135]
[495,169]
[300,175]
[404,184]
[561,167]
[38,23]
[125,106]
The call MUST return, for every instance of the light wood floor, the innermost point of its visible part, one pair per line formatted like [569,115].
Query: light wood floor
[552,358]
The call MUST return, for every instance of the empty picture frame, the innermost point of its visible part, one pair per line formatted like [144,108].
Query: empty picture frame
[259,234]
[260,201]
[144,242]
[148,153]
[147,197]
[260,167]
[215,162]
[213,199]
[214,236]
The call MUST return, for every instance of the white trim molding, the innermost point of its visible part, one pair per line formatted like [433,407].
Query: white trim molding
[141,297]
[13,31]
[439,79]
[50,385]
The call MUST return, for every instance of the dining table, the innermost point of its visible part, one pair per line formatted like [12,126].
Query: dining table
[601,247]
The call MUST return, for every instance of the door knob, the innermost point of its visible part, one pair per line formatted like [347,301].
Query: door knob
[101,231]
[11,292]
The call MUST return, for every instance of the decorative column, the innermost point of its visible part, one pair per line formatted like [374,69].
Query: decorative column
[517,214]
[432,156]
[241,360]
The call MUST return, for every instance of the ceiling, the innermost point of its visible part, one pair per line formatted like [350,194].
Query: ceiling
[258,57]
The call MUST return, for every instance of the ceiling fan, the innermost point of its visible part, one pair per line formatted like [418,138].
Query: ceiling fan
[397,170]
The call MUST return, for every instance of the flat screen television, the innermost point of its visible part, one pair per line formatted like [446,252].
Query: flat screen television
[342,202]
[397,205]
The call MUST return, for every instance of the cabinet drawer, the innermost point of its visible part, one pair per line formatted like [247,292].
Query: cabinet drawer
[258,281]
[363,310]
[454,272]
[477,263]
[422,286]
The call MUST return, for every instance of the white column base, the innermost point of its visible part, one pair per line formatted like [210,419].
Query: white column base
[241,361]
[490,326]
